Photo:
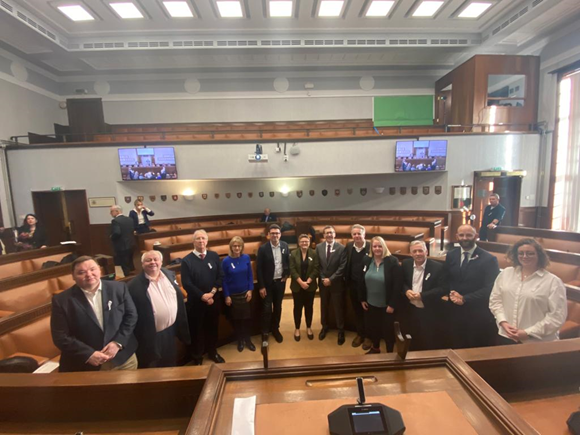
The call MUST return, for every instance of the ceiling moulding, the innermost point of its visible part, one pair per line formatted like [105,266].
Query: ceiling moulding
[33,22]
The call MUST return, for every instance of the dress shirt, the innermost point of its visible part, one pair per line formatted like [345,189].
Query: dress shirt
[418,275]
[277,253]
[361,248]
[163,301]
[470,252]
[199,254]
[329,248]
[140,217]
[536,304]
[96,302]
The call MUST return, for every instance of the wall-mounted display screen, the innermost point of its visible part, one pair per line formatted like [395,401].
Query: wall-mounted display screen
[421,155]
[147,163]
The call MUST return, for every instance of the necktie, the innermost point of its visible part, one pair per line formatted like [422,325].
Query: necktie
[202,256]
[465,262]
[327,251]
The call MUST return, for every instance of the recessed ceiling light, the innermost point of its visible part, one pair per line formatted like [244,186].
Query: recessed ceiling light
[474,10]
[330,8]
[126,10]
[379,8]
[427,8]
[76,13]
[281,8]
[178,9]
[230,9]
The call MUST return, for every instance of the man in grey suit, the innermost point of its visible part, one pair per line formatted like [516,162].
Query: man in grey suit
[123,239]
[332,257]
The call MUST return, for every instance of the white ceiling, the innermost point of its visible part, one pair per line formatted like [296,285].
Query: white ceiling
[36,31]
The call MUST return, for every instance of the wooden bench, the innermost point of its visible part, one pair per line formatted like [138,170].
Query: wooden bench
[550,239]
[20,263]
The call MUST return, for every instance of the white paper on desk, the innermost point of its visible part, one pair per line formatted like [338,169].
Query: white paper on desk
[244,416]
[47,367]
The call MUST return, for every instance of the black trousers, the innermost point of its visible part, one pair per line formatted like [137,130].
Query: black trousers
[332,298]
[272,306]
[203,327]
[165,346]
[502,341]
[471,327]
[380,326]
[359,312]
[303,300]
[125,260]
[242,328]
[422,328]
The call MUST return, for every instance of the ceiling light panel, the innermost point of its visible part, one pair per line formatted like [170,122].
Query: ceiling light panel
[230,8]
[76,12]
[126,10]
[178,9]
[331,8]
[379,8]
[475,9]
[280,8]
[427,8]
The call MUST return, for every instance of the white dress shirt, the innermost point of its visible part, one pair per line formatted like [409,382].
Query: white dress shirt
[418,275]
[96,302]
[356,247]
[277,253]
[163,301]
[140,217]
[536,304]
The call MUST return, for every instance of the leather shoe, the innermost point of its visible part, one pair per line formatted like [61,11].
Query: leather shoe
[367,344]
[358,340]
[373,351]
[297,337]
[240,346]
[310,336]
[322,334]
[340,338]
[278,336]
[250,345]
[217,358]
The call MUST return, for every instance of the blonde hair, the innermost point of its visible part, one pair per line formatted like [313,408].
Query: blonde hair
[237,239]
[386,252]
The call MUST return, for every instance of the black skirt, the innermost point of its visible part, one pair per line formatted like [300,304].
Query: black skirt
[240,307]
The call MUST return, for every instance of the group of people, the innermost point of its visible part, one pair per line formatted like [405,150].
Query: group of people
[462,302]
[30,235]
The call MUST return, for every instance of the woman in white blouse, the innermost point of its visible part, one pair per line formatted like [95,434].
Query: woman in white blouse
[528,302]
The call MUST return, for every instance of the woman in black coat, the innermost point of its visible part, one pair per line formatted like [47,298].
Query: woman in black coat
[31,235]
[379,293]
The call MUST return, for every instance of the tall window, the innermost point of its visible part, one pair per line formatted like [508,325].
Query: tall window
[566,210]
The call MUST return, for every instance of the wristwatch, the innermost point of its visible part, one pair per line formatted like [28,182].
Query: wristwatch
[119,344]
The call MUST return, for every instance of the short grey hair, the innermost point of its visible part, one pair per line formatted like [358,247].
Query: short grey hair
[157,253]
[495,195]
[357,227]
[200,231]
[418,242]
[117,207]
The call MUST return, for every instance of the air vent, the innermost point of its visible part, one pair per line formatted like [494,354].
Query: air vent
[511,20]
[133,45]
[536,3]
[21,16]
[6,6]
[32,23]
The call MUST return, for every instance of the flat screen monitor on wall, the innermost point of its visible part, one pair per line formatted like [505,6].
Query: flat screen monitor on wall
[421,155]
[147,163]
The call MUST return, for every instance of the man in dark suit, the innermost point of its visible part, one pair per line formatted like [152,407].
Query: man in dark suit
[355,252]
[423,285]
[162,316]
[332,257]
[492,216]
[201,276]
[92,322]
[471,273]
[273,268]
[123,239]
[268,216]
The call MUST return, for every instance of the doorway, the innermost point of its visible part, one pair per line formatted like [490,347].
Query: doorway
[65,216]
[508,185]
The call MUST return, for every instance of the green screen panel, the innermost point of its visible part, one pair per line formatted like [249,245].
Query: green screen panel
[403,110]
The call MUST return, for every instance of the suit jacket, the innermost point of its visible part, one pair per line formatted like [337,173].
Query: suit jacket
[38,239]
[122,233]
[333,267]
[393,280]
[271,218]
[434,286]
[76,331]
[265,264]
[349,250]
[488,216]
[295,269]
[476,282]
[145,213]
[147,352]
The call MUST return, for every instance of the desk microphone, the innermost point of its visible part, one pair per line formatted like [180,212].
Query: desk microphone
[361,391]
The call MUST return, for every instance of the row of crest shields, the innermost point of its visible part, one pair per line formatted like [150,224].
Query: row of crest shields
[299,193]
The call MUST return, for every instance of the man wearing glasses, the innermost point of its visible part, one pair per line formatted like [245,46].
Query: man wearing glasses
[272,268]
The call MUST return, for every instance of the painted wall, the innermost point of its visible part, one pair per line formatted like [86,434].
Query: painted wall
[225,169]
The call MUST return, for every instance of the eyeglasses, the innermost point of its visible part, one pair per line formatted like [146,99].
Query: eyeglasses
[526,254]
[275,234]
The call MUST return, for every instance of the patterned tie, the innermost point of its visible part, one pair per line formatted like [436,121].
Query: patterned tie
[327,251]
[463,267]
[202,256]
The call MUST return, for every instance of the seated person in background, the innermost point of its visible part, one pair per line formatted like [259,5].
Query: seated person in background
[140,216]
[92,322]
[31,234]
[528,302]
[267,216]
[161,313]
[238,284]
[492,216]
